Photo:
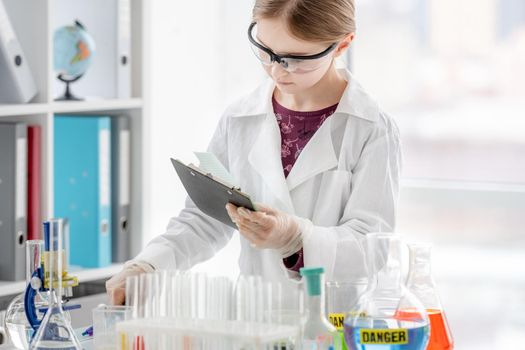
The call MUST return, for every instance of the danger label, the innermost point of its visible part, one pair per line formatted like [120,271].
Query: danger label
[337,320]
[384,336]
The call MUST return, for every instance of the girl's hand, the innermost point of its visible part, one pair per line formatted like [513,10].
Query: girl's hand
[268,228]
[116,285]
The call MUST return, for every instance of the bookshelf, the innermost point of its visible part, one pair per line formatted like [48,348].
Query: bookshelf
[34,23]
[84,275]
[8,110]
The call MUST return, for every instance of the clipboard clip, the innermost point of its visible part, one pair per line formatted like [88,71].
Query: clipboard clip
[210,175]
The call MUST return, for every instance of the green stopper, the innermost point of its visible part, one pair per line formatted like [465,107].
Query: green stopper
[313,279]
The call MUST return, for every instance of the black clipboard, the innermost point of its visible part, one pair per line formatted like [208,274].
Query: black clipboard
[211,194]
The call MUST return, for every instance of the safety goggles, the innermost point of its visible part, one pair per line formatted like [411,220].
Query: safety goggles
[290,63]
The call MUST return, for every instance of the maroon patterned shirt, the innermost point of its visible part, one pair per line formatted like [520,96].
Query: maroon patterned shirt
[297,128]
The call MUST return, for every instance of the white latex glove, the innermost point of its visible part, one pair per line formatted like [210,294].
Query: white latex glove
[116,285]
[269,228]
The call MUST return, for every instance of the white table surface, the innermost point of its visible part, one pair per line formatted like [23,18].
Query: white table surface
[87,342]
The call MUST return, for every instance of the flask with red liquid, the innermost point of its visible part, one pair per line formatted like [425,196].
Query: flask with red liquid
[421,283]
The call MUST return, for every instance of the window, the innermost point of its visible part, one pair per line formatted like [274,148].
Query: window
[452,74]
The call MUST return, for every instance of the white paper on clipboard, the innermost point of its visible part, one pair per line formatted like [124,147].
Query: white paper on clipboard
[209,163]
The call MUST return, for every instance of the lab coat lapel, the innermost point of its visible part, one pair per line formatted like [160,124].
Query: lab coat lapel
[265,158]
[317,156]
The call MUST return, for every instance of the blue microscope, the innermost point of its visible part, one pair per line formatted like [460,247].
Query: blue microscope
[49,285]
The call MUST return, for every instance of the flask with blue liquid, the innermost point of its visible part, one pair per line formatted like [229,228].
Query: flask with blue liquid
[387,316]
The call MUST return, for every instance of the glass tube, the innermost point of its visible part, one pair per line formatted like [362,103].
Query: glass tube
[33,257]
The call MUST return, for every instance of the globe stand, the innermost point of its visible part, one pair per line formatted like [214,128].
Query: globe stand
[68,96]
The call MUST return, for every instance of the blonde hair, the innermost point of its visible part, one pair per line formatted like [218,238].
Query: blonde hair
[311,20]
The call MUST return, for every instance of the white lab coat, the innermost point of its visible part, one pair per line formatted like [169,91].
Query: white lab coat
[345,181]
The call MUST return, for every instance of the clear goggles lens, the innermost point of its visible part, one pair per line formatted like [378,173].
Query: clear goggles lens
[291,65]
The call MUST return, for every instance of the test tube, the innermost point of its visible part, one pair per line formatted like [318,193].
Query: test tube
[241,302]
[163,277]
[199,282]
[132,295]
[251,299]
[267,301]
[33,257]
[144,307]
[150,287]
[212,299]
[186,293]
[258,299]
[175,295]
[226,298]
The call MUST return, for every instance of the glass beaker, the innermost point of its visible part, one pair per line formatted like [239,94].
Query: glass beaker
[105,319]
[421,283]
[284,305]
[387,316]
[55,331]
[340,298]
[17,326]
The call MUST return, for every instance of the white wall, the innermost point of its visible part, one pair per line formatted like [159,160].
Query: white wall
[201,62]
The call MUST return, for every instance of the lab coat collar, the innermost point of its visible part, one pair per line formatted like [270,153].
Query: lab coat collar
[354,102]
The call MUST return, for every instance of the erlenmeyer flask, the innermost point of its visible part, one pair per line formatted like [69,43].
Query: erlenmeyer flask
[55,331]
[421,283]
[387,316]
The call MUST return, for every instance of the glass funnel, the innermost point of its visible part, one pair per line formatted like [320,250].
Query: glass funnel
[387,316]
[318,332]
[55,331]
[18,328]
[421,283]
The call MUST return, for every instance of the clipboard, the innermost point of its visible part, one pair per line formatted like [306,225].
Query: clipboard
[211,194]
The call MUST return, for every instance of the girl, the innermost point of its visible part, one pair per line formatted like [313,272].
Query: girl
[309,144]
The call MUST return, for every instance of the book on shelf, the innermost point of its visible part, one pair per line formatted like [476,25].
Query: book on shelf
[13,194]
[120,189]
[17,84]
[123,59]
[34,182]
[82,186]
[92,186]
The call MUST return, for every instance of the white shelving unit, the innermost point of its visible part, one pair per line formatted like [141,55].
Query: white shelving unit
[84,275]
[34,23]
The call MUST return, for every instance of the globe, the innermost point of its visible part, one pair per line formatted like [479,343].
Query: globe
[73,50]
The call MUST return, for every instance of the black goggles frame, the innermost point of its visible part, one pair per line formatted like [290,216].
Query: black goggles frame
[281,59]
